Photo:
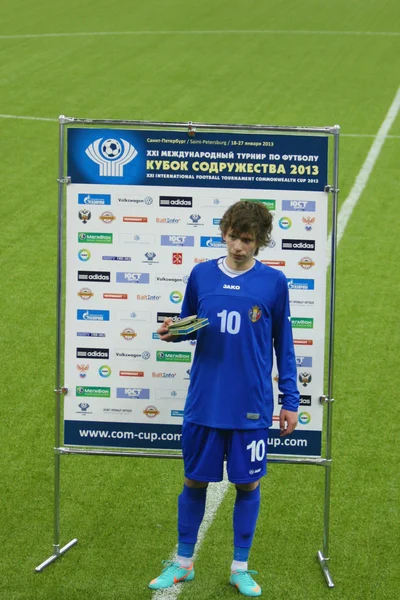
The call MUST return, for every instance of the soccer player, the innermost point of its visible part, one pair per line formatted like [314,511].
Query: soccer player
[229,405]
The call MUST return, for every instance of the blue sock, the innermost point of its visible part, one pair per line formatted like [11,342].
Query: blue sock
[191,507]
[245,513]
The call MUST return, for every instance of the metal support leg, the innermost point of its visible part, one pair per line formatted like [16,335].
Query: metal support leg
[58,552]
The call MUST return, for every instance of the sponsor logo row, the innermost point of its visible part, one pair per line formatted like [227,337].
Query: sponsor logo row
[107,217]
[182,240]
[188,202]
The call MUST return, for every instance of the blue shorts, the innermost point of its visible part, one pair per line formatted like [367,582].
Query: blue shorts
[205,449]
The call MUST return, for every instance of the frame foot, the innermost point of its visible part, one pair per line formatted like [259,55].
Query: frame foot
[325,570]
[57,554]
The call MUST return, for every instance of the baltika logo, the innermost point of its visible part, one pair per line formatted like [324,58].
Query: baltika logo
[84,215]
[85,294]
[305,379]
[255,313]
[128,334]
[306,262]
[111,155]
[151,412]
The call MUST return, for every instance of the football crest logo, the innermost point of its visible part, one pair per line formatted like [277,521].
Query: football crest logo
[305,379]
[255,313]
[111,155]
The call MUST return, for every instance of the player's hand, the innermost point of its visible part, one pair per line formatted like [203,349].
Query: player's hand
[287,421]
[162,331]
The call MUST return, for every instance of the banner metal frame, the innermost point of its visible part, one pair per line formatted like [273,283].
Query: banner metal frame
[60,390]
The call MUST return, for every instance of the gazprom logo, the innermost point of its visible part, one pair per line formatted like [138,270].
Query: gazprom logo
[300,284]
[111,155]
[212,242]
[94,199]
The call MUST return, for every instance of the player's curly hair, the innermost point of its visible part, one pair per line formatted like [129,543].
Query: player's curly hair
[250,217]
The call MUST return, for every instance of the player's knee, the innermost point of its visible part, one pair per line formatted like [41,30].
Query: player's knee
[247,487]
[191,483]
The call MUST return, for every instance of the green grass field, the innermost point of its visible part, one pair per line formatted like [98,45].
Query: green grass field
[218,62]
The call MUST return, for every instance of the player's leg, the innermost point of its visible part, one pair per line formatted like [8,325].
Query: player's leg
[203,453]
[246,464]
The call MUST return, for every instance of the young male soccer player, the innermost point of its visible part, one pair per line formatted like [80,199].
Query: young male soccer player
[229,405]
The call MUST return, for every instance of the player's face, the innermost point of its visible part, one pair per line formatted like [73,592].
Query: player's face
[241,249]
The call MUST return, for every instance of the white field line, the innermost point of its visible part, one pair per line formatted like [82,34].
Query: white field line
[21,36]
[215,494]
[54,120]
[362,178]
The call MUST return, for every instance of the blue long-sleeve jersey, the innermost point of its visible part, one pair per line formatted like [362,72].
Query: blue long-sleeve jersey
[230,380]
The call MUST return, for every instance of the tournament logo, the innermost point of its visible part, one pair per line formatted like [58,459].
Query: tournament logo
[306,262]
[84,255]
[195,220]
[151,412]
[85,294]
[308,222]
[255,313]
[104,371]
[128,334]
[305,379]
[111,155]
[150,256]
[285,223]
[82,370]
[107,217]
[84,215]
[83,406]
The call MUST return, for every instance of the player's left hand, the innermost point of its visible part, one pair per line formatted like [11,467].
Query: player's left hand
[287,421]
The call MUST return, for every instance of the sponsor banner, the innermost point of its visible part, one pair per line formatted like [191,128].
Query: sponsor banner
[209,159]
[298,443]
[305,400]
[145,193]
[94,392]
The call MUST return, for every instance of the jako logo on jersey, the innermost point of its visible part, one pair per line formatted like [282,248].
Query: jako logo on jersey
[255,313]
[111,155]
[231,287]
[212,242]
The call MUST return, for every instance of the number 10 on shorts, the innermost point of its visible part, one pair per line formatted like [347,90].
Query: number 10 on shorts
[257,449]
